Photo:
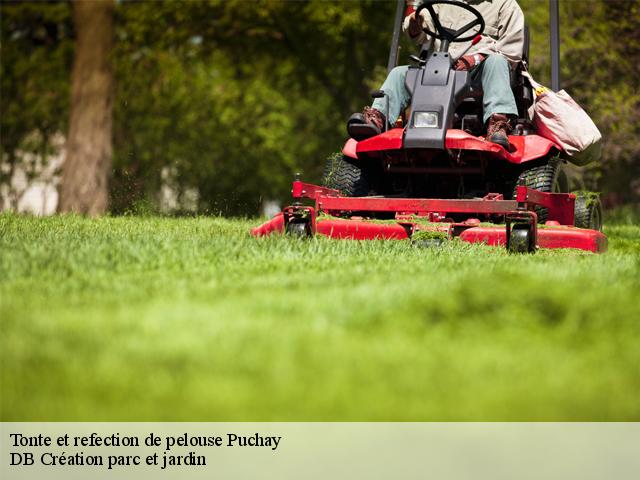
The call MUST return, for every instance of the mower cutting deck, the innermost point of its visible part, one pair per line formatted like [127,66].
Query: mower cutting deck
[428,221]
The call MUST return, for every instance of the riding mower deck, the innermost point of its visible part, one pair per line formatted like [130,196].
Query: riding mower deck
[434,177]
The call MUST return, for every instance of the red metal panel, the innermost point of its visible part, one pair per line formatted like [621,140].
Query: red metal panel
[525,148]
[360,230]
[535,147]
[276,224]
[414,205]
[494,236]
[561,205]
[389,140]
[349,148]
[309,190]
[461,140]
[562,237]
[568,237]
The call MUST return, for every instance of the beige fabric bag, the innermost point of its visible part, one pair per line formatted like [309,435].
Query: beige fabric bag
[559,118]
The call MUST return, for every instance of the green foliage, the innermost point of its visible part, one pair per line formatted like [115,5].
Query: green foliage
[232,97]
[236,97]
[600,67]
[125,318]
[36,54]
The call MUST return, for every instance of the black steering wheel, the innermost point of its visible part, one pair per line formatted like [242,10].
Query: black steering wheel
[448,34]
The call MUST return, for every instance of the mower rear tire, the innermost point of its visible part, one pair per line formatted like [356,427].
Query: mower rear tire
[588,211]
[341,173]
[549,178]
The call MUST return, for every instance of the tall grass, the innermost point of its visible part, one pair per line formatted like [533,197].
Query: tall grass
[193,319]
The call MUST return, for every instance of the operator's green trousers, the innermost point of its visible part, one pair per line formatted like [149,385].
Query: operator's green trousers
[496,85]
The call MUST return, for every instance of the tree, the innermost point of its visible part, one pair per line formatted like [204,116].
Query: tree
[84,186]
[600,53]
[36,58]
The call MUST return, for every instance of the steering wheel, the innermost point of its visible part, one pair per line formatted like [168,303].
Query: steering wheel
[444,33]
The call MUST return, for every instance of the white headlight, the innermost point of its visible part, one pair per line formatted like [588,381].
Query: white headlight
[425,120]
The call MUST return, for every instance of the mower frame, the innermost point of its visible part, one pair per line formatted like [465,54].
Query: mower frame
[413,215]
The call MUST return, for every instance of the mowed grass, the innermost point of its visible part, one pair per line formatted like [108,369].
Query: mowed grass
[161,319]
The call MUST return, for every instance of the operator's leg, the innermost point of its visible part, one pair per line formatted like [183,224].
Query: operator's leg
[498,101]
[371,122]
[396,89]
[496,84]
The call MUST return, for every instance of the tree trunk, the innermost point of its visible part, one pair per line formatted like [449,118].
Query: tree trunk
[85,173]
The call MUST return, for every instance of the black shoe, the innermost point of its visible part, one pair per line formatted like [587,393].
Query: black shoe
[367,124]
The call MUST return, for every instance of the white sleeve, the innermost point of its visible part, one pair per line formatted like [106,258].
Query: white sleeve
[511,32]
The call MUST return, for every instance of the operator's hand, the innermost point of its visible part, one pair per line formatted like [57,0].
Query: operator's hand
[415,25]
[469,62]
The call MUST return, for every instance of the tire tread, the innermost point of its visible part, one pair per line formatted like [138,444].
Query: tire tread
[341,174]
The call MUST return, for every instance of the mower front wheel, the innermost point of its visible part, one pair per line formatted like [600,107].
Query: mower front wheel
[521,239]
[298,229]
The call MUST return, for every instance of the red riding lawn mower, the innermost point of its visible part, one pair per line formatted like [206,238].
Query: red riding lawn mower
[434,177]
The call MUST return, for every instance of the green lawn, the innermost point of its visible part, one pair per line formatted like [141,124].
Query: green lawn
[192,319]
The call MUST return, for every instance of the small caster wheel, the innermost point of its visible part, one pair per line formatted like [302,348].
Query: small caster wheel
[521,239]
[298,229]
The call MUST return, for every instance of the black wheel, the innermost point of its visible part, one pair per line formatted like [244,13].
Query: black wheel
[549,178]
[588,211]
[343,175]
[298,229]
[520,240]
